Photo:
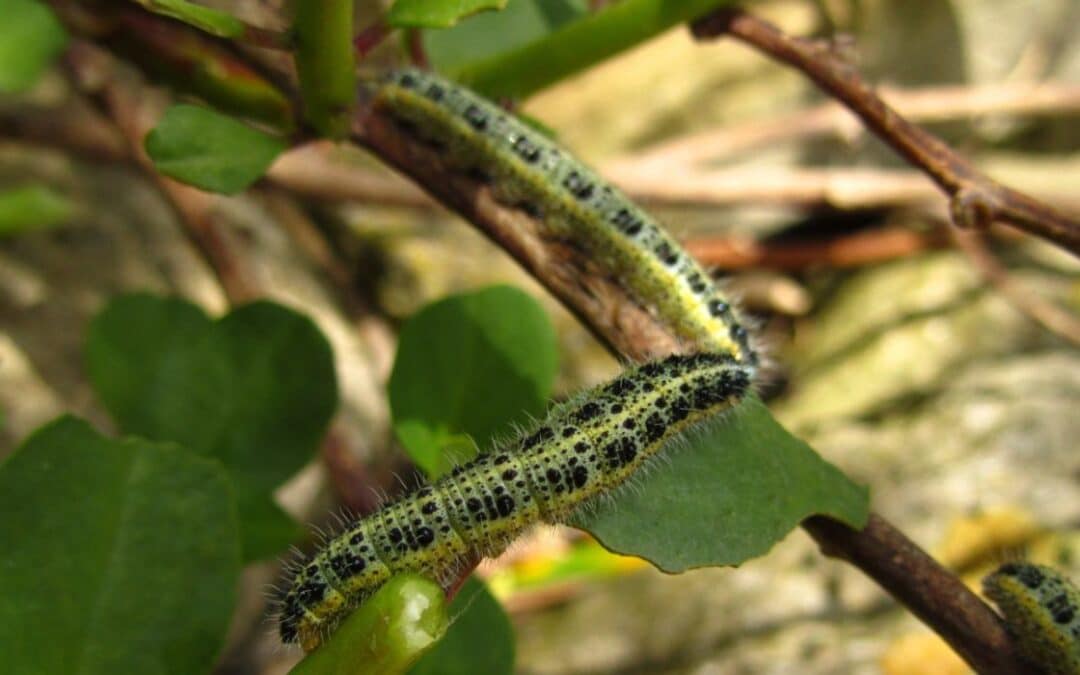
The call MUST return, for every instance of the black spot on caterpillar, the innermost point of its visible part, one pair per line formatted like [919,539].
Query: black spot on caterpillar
[1042,610]
[528,171]
[581,451]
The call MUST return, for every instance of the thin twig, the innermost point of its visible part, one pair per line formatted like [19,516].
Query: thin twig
[840,188]
[1051,317]
[133,115]
[849,250]
[926,104]
[371,37]
[977,200]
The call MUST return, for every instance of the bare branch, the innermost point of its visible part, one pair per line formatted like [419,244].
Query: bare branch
[977,199]
[926,588]
[926,104]
[849,250]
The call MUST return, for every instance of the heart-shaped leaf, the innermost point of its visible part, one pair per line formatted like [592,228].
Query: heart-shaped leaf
[254,389]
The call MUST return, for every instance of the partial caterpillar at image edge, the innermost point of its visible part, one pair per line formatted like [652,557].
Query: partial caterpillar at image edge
[1041,607]
[527,171]
[582,451]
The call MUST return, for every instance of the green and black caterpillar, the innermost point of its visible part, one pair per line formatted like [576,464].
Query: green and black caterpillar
[584,449]
[529,171]
[581,451]
[1042,610]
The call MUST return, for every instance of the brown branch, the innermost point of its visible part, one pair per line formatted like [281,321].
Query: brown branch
[849,250]
[927,589]
[631,330]
[840,188]
[977,199]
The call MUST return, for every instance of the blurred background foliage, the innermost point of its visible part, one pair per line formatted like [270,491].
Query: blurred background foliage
[900,362]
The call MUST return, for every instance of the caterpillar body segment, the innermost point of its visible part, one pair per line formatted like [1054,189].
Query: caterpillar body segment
[1042,610]
[583,449]
[529,171]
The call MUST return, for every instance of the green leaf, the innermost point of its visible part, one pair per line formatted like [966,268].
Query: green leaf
[255,390]
[209,150]
[488,35]
[525,67]
[481,639]
[205,19]
[436,13]
[729,495]
[326,63]
[473,364]
[118,556]
[32,207]
[386,635]
[30,38]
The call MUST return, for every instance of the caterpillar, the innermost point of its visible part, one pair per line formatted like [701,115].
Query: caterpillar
[1042,610]
[585,448]
[530,172]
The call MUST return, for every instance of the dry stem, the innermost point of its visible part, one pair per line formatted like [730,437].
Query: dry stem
[976,200]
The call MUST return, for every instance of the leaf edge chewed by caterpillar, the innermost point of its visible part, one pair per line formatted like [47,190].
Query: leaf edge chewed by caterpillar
[1041,608]
[583,450]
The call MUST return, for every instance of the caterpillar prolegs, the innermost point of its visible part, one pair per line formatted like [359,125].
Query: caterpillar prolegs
[585,448]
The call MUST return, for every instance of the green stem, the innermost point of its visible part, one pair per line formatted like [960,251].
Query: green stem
[326,63]
[579,45]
